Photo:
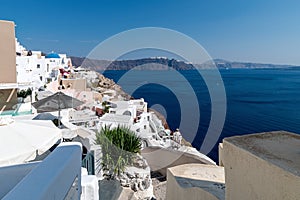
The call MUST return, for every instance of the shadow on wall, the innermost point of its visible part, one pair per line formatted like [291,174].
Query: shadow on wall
[109,189]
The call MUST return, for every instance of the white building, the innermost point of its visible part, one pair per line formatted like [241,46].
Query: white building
[140,104]
[123,108]
[132,108]
[144,127]
[33,67]
[133,114]
[115,120]
[53,62]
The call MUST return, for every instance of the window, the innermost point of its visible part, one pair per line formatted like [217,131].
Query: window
[38,66]
[145,126]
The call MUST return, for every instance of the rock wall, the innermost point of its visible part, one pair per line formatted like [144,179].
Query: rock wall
[138,178]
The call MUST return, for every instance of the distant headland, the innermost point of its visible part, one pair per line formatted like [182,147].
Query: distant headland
[162,63]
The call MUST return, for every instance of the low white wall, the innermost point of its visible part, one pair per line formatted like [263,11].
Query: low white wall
[195,182]
[262,166]
[220,149]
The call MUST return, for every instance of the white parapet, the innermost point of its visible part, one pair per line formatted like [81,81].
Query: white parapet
[196,181]
[262,166]
[90,188]
[220,148]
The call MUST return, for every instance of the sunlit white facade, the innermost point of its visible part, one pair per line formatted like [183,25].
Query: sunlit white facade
[35,68]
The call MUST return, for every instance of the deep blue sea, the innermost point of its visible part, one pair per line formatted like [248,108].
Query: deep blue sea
[258,100]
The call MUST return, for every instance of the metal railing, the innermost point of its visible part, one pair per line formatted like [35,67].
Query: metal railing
[88,162]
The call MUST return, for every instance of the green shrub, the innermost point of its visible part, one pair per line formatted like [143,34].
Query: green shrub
[119,148]
[24,93]
[106,107]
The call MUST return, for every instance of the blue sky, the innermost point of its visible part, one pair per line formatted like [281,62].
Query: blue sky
[255,30]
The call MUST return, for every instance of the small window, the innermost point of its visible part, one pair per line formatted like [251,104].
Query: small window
[145,127]
[38,66]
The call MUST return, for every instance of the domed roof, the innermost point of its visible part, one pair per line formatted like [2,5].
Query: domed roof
[52,55]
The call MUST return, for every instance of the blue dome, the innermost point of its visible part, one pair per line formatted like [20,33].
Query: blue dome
[52,55]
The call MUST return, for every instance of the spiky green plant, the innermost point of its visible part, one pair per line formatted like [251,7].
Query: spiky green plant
[119,147]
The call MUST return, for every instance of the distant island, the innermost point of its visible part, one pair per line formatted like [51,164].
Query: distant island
[162,63]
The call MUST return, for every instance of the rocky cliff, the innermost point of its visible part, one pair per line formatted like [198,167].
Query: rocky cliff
[160,63]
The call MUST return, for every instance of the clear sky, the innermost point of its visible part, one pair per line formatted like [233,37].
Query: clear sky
[266,31]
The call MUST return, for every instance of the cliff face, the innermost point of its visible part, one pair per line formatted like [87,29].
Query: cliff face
[248,65]
[164,64]
[150,63]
